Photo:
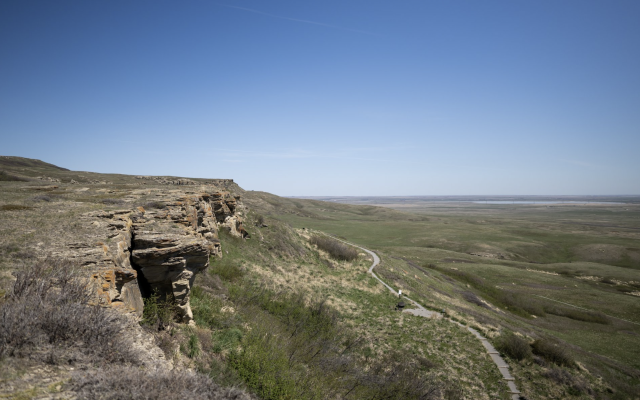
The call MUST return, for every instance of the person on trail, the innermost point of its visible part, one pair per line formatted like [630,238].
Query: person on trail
[400,305]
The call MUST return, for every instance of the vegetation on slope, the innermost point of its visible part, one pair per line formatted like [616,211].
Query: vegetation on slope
[47,319]
[283,342]
[581,306]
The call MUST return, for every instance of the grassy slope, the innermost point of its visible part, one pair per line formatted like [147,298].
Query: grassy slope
[575,256]
[282,261]
[406,242]
[229,341]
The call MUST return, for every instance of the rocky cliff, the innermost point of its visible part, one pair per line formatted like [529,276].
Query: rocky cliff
[157,248]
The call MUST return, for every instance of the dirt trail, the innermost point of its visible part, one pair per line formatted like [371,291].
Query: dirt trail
[423,312]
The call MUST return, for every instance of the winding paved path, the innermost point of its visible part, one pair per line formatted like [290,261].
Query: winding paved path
[423,312]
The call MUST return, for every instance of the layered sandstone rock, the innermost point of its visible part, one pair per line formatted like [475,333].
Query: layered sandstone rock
[157,251]
[169,264]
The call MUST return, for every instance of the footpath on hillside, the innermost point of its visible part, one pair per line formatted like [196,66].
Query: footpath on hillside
[420,311]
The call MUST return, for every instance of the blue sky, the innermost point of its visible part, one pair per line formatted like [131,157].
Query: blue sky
[348,97]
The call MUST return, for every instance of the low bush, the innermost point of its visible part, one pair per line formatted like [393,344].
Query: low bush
[396,376]
[26,254]
[578,315]
[41,197]
[514,347]
[141,384]
[110,201]
[206,308]
[552,352]
[193,346]
[5,177]
[227,339]
[227,271]
[575,385]
[47,308]
[158,205]
[472,298]
[158,313]
[14,207]
[335,248]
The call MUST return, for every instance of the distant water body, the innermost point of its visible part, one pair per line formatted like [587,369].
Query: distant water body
[540,202]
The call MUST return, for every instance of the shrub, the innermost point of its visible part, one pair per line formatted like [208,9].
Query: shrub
[578,315]
[158,205]
[561,376]
[41,197]
[158,313]
[26,254]
[228,271]
[47,308]
[514,347]
[193,346]
[14,207]
[138,384]
[335,248]
[5,177]
[206,308]
[472,298]
[227,339]
[111,201]
[552,352]
[397,376]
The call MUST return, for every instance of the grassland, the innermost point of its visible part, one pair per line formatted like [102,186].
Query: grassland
[404,355]
[282,318]
[518,268]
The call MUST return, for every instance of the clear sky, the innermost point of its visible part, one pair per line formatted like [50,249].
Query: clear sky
[349,97]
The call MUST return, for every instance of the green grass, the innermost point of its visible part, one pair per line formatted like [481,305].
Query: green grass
[542,256]
[327,330]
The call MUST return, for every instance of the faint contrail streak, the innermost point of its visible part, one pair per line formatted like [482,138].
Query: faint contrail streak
[298,20]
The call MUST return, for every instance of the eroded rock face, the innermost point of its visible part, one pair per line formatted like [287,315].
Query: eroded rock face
[169,264]
[157,251]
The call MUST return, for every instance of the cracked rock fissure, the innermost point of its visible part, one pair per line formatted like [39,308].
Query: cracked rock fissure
[159,252]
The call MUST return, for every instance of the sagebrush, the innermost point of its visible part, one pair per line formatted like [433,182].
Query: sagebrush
[48,307]
[335,248]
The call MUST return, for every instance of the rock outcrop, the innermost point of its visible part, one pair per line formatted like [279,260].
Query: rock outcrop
[167,180]
[157,251]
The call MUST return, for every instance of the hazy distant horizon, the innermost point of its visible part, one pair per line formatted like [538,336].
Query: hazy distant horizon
[558,196]
[481,199]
